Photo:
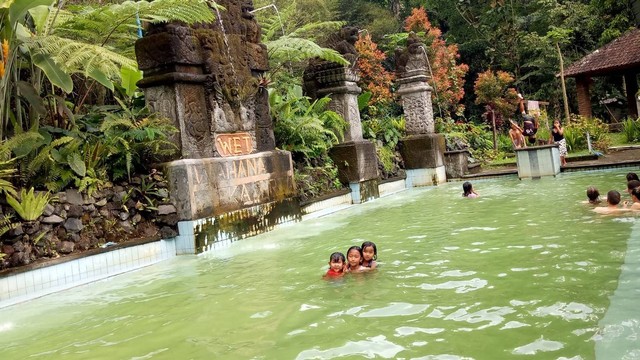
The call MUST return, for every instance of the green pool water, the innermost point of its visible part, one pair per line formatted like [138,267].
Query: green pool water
[524,271]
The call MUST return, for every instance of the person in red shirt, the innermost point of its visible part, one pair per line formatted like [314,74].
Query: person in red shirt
[337,265]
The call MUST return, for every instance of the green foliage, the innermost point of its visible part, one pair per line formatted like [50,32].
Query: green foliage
[631,130]
[304,127]
[6,225]
[56,43]
[575,134]
[478,139]
[106,144]
[30,205]
[319,178]
[386,129]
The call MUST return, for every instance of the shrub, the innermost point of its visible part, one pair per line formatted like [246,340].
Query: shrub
[30,205]
[576,133]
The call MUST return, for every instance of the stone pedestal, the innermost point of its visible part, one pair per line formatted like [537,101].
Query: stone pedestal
[456,163]
[357,166]
[355,158]
[422,150]
[535,162]
[423,157]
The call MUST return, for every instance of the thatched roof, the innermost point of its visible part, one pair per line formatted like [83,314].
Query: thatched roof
[621,54]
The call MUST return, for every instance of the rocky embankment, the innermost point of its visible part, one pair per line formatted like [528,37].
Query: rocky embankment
[74,222]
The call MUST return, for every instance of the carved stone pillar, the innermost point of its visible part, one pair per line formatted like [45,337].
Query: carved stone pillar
[355,157]
[230,181]
[173,85]
[422,149]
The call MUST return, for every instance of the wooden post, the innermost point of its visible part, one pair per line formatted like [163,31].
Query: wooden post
[564,88]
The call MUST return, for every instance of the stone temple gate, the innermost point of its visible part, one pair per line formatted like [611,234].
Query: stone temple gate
[228,181]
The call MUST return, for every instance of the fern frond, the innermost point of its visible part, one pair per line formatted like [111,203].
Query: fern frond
[107,24]
[78,57]
[289,48]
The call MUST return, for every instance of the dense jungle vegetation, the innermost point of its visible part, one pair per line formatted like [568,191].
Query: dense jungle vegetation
[72,117]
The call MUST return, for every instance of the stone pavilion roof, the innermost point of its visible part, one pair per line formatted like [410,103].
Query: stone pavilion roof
[621,54]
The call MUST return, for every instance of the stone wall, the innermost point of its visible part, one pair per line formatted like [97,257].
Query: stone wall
[76,222]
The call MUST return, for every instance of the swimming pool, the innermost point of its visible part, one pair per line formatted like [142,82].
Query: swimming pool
[525,269]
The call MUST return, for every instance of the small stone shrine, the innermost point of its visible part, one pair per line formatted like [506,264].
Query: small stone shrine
[229,181]
[355,157]
[422,149]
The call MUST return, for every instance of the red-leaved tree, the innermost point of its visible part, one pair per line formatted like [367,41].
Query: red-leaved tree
[448,74]
[493,90]
[373,76]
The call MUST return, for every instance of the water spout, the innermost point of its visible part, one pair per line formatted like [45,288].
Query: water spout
[435,89]
[277,13]
[226,43]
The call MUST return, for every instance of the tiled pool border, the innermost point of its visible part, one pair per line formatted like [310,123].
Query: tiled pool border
[30,282]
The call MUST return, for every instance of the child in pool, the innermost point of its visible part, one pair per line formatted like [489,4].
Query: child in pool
[337,265]
[354,259]
[468,191]
[369,255]
[593,196]
[613,200]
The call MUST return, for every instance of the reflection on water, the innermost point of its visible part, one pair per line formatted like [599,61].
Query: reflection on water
[524,270]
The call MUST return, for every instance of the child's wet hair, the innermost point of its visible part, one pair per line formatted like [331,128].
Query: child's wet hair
[337,256]
[355,247]
[593,194]
[613,197]
[636,192]
[375,250]
[632,184]
[467,188]
[632,176]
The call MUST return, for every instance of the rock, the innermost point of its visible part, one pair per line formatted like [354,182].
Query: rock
[166,210]
[75,211]
[66,247]
[18,246]
[89,208]
[136,180]
[75,237]
[53,219]
[170,220]
[74,197]
[31,227]
[7,249]
[102,202]
[73,225]
[48,210]
[18,231]
[105,213]
[119,196]
[163,193]
[136,218]
[126,226]
[123,215]
[166,232]
[62,197]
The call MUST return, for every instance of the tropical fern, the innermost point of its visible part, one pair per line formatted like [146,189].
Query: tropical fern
[30,205]
[288,48]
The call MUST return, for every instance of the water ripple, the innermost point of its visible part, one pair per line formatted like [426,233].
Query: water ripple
[396,309]
[377,346]
[460,286]
[538,346]
[570,311]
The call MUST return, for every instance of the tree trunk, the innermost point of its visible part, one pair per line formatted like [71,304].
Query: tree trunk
[495,131]
[564,88]
[395,8]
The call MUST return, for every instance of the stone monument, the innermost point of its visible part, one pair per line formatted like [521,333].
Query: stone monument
[422,149]
[355,157]
[228,181]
